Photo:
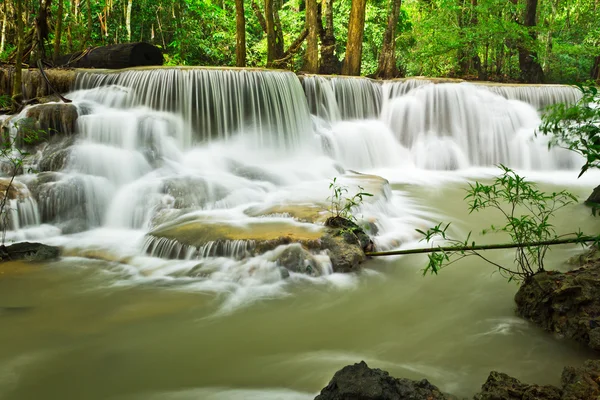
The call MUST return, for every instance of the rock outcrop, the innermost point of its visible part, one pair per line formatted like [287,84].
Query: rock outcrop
[29,252]
[577,383]
[359,382]
[564,303]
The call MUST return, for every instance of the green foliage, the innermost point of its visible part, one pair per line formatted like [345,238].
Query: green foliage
[343,206]
[527,214]
[576,127]
[5,101]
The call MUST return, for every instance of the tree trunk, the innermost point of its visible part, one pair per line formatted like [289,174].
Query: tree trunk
[116,56]
[58,29]
[311,62]
[128,19]
[4,23]
[387,68]
[274,34]
[595,75]
[17,90]
[240,34]
[531,70]
[329,62]
[88,38]
[356,29]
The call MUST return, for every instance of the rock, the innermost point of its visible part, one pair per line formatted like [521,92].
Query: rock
[500,386]
[296,258]
[300,212]
[594,197]
[359,382]
[44,122]
[577,383]
[55,156]
[581,383]
[344,250]
[29,252]
[564,303]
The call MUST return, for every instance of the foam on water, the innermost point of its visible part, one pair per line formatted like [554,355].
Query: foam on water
[172,144]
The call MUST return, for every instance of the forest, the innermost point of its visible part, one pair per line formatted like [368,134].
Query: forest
[535,41]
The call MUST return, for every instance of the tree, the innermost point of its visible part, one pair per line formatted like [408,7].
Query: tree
[387,67]
[356,27]
[329,62]
[17,83]
[531,70]
[58,30]
[311,63]
[240,34]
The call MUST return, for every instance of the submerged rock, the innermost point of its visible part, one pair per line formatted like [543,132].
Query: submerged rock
[296,258]
[29,252]
[359,382]
[564,303]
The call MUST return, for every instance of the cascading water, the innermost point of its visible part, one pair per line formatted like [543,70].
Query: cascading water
[194,152]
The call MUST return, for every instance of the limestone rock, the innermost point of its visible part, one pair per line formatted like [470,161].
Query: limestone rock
[500,386]
[46,121]
[564,303]
[29,252]
[359,382]
[296,258]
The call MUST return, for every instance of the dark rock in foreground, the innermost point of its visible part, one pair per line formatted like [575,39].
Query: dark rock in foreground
[576,384]
[359,382]
[594,198]
[564,303]
[29,252]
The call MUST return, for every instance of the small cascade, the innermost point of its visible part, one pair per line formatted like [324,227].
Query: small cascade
[217,103]
[540,96]
[335,98]
[452,126]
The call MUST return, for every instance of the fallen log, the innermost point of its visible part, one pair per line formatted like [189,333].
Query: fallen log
[114,56]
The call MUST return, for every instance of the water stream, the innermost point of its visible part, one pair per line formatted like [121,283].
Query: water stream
[237,154]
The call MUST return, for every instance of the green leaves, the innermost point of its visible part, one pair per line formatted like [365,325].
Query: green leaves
[342,205]
[527,214]
[576,127]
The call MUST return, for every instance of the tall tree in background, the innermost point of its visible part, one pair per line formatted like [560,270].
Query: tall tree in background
[387,67]
[127,19]
[17,91]
[240,34]
[4,23]
[531,70]
[274,38]
[356,30]
[311,62]
[329,62]
[58,29]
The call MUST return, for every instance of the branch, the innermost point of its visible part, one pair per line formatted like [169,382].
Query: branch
[579,240]
[259,15]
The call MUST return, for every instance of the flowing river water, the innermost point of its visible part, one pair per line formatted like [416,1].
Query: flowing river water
[129,315]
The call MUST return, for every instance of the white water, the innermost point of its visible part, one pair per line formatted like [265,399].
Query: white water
[207,145]
[127,316]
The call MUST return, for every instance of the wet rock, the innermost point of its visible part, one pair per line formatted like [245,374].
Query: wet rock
[297,259]
[582,382]
[29,252]
[577,383]
[594,198]
[192,192]
[500,386]
[359,382]
[564,303]
[44,122]
[55,156]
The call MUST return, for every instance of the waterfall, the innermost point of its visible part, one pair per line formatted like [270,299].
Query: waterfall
[202,149]
[215,104]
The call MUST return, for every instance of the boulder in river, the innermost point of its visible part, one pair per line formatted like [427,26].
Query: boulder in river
[46,121]
[359,382]
[29,252]
[564,303]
